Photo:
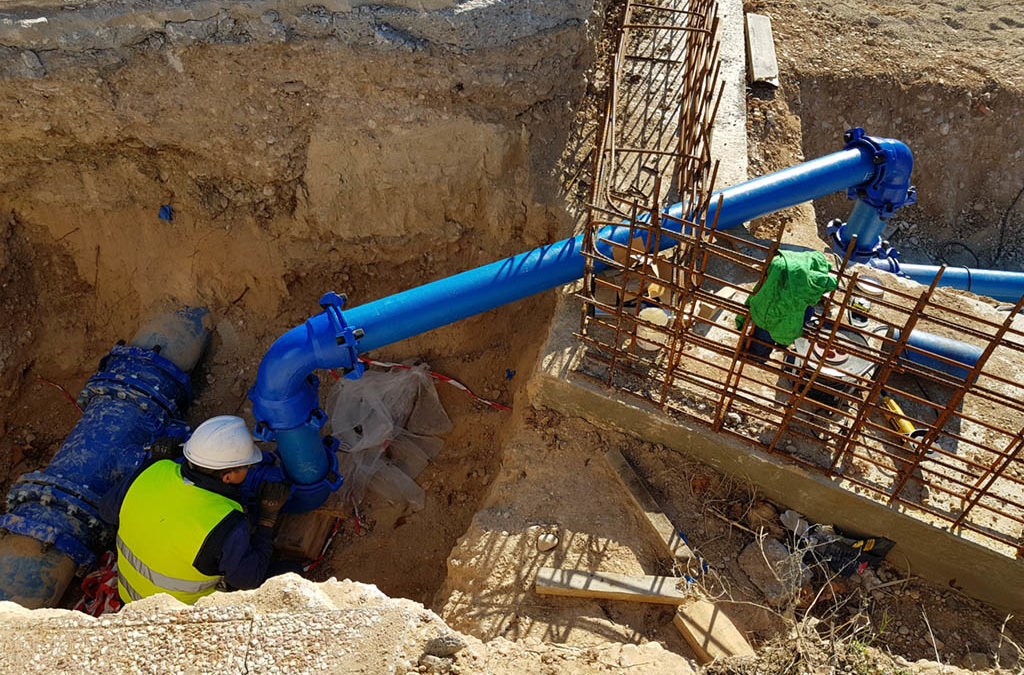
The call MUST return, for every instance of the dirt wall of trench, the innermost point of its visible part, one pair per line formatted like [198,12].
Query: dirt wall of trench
[314,149]
[303,149]
[968,145]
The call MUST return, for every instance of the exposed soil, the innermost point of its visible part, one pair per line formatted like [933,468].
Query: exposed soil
[386,168]
[944,77]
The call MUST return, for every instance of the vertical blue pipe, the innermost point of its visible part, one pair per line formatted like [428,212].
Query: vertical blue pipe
[865,223]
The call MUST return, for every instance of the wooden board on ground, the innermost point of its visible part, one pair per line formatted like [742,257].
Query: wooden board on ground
[664,531]
[629,587]
[302,535]
[764,66]
[710,632]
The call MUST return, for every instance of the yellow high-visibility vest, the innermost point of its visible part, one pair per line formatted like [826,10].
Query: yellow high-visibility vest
[163,524]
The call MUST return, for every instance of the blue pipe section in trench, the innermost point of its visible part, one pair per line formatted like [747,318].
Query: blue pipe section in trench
[139,393]
[955,350]
[285,398]
[996,284]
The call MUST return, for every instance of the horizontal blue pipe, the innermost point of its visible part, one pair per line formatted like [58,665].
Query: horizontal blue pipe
[283,399]
[955,350]
[782,189]
[995,284]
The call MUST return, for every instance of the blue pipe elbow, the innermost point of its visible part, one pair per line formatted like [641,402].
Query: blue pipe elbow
[879,197]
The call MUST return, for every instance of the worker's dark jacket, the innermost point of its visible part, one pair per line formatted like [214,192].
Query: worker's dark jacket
[233,549]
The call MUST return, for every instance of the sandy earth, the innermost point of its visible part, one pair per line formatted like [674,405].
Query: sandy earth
[944,77]
[287,184]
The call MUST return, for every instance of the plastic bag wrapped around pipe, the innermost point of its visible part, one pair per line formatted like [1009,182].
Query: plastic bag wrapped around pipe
[388,425]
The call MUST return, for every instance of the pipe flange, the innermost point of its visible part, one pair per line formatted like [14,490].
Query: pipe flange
[345,335]
[889,189]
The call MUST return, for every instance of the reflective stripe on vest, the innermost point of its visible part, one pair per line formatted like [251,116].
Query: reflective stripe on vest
[164,522]
[125,588]
[167,583]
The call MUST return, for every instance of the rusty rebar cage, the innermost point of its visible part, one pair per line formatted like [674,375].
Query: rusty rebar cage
[941,442]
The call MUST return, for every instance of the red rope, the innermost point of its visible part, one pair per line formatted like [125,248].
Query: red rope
[99,588]
[67,394]
[323,551]
[437,376]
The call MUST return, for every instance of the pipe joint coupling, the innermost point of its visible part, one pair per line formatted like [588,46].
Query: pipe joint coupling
[306,497]
[880,256]
[141,375]
[345,336]
[889,189]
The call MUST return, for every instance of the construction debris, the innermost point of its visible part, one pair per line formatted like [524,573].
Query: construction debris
[709,632]
[628,587]
[546,542]
[776,571]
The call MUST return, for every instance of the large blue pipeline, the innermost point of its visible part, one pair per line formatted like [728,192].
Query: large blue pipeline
[140,393]
[995,284]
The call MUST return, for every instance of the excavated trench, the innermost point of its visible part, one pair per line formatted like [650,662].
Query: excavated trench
[969,166]
[302,149]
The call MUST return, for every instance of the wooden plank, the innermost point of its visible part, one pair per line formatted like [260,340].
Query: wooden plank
[300,536]
[761,59]
[665,533]
[710,632]
[629,587]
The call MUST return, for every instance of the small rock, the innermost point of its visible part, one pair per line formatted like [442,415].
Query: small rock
[269,17]
[546,542]
[733,418]
[448,644]
[874,21]
[777,572]
[435,664]
[293,87]
[762,515]
[32,63]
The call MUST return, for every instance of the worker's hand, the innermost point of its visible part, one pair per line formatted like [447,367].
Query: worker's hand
[272,495]
[165,447]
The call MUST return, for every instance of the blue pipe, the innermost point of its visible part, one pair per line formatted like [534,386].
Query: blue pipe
[995,284]
[877,198]
[285,397]
[955,350]
[52,524]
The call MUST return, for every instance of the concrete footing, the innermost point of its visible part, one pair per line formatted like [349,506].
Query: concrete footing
[928,551]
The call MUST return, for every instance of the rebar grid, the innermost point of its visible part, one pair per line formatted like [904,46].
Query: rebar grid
[819,402]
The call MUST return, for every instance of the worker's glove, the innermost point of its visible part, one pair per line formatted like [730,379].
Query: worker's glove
[165,447]
[272,496]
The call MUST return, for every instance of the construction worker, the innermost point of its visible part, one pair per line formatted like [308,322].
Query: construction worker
[181,525]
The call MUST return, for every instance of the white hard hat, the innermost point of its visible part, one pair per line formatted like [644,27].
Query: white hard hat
[222,442]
